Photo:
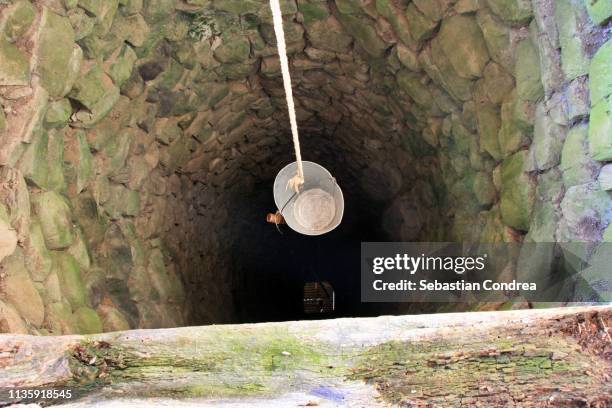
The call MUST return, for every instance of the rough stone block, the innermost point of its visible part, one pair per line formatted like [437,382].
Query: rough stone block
[600,130]
[78,161]
[516,12]
[38,258]
[121,64]
[497,38]
[605,177]
[498,83]
[584,207]
[574,58]
[12,322]
[599,10]
[548,139]
[14,65]
[421,27]
[489,123]
[600,74]
[365,35]
[87,321]
[517,192]
[577,97]
[8,239]
[58,113]
[413,85]
[20,290]
[468,56]
[70,278]
[59,59]
[55,219]
[33,162]
[17,19]
[576,164]
[484,190]
[528,80]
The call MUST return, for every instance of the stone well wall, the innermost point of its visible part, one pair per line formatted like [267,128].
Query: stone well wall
[129,128]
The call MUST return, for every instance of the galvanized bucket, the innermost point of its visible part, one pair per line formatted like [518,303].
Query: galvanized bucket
[318,207]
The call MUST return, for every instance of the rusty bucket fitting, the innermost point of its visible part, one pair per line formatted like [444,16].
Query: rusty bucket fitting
[275,218]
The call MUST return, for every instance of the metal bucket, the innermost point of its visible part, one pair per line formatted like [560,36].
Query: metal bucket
[319,206]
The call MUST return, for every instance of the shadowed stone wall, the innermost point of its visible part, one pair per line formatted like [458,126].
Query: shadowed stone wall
[130,128]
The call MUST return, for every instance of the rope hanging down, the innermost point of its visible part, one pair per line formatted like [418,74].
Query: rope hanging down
[298,180]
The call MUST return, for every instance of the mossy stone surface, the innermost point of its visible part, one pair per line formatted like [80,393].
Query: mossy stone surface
[59,59]
[70,278]
[600,130]
[469,55]
[576,163]
[599,10]
[512,11]
[55,218]
[574,60]
[528,80]
[600,74]
[18,18]
[517,192]
[14,64]
[87,321]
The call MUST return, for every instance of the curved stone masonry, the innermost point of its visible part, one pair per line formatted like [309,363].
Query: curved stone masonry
[129,128]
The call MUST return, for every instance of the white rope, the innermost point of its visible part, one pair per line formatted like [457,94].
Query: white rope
[298,180]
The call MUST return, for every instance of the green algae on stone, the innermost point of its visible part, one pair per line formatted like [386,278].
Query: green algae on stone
[14,65]
[576,163]
[574,58]
[468,56]
[78,161]
[131,29]
[582,207]
[58,58]
[17,19]
[497,82]
[543,225]
[120,66]
[54,215]
[528,80]
[313,11]
[33,164]
[489,123]
[58,113]
[497,38]
[38,258]
[605,177]
[365,35]
[600,74]
[398,21]
[517,12]
[421,27]
[600,130]
[112,319]
[87,321]
[548,139]
[439,68]
[484,190]
[122,201]
[413,85]
[55,158]
[328,35]
[70,278]
[517,191]
[599,10]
